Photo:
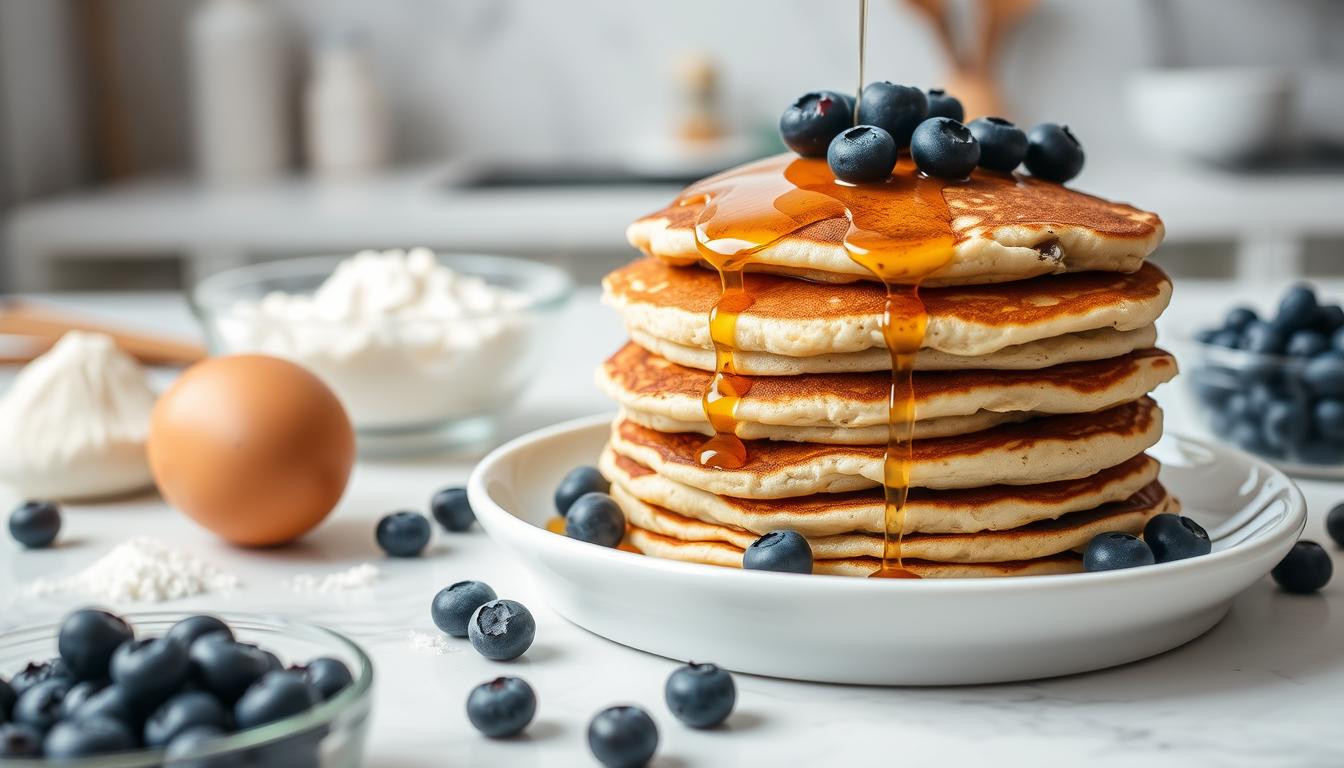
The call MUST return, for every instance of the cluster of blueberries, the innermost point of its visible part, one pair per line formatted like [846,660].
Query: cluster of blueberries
[895,117]
[110,691]
[1284,397]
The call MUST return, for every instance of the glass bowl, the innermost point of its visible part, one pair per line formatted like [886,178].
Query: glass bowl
[1263,405]
[409,384]
[331,735]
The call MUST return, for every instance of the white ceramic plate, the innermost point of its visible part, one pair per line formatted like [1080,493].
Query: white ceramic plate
[929,632]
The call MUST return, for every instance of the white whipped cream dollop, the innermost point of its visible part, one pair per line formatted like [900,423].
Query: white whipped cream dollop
[74,422]
[400,338]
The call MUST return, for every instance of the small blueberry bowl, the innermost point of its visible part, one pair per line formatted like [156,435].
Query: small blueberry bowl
[330,735]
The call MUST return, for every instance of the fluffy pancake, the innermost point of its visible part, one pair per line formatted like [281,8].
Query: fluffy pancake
[854,406]
[1039,539]
[991,508]
[1042,450]
[1005,228]
[796,318]
[750,430]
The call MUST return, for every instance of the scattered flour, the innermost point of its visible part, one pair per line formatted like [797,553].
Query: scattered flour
[140,570]
[359,577]
[431,644]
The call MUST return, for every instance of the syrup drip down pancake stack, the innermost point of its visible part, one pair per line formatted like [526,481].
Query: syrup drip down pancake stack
[922,378]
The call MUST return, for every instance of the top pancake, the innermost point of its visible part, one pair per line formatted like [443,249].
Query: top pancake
[1005,227]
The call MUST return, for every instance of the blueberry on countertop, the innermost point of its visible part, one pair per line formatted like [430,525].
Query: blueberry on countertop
[40,706]
[1334,524]
[943,104]
[1053,153]
[1114,550]
[35,524]
[944,148]
[150,670]
[88,639]
[19,740]
[329,676]
[1305,569]
[622,737]
[861,155]
[597,519]
[501,630]
[193,628]
[183,711]
[1172,537]
[227,668]
[502,707]
[1297,310]
[896,109]
[453,606]
[783,551]
[275,696]
[403,534]
[452,509]
[87,737]
[809,124]
[1002,144]
[579,481]
[700,695]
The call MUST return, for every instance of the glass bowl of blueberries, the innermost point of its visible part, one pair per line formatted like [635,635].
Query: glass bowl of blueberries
[1274,385]
[148,689]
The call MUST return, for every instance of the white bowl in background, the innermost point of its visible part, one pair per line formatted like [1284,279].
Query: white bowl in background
[1221,115]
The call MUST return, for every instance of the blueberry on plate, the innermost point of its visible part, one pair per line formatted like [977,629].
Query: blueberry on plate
[35,524]
[1238,318]
[944,148]
[622,737]
[1172,537]
[453,606]
[1307,343]
[896,109]
[19,740]
[150,670]
[1286,423]
[35,672]
[502,707]
[88,639]
[40,706]
[597,519]
[184,710]
[87,737]
[1306,569]
[328,676]
[452,509]
[1297,310]
[1334,524]
[193,628]
[1002,144]
[942,104]
[700,695]
[1261,338]
[1053,153]
[1113,550]
[579,481]
[502,630]
[109,702]
[1324,374]
[783,551]
[276,696]
[227,668]
[861,155]
[403,534]
[809,124]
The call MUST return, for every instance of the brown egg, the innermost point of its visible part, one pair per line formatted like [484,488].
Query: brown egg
[254,448]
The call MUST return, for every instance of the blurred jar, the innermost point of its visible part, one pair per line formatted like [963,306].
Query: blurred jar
[345,120]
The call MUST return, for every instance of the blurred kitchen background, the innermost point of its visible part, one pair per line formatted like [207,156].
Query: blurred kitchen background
[146,143]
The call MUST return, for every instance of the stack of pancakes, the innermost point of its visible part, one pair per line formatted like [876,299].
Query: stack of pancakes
[1031,414]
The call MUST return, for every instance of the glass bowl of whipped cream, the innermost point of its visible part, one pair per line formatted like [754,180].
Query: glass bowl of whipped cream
[427,351]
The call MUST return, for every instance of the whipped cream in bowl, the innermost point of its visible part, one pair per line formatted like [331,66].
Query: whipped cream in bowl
[425,351]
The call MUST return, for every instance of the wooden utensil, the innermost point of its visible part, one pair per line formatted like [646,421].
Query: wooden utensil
[32,329]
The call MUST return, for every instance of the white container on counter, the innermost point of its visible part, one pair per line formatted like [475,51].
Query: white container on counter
[345,120]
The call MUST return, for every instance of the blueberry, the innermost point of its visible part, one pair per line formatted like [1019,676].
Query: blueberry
[1247,436]
[502,630]
[276,696]
[193,628]
[862,154]
[7,699]
[40,706]
[191,742]
[1002,144]
[87,737]
[502,707]
[226,668]
[37,672]
[1334,524]
[149,671]
[87,640]
[1113,550]
[329,676]
[1261,338]
[941,104]
[1306,569]
[1337,340]
[597,519]
[1226,338]
[579,481]
[184,710]
[452,509]
[896,109]
[1324,374]
[1053,153]
[1172,537]
[1329,318]
[109,702]
[1203,335]
[783,551]
[1297,310]
[623,737]
[78,694]
[34,524]
[809,124]
[403,534]
[453,606]
[1307,343]
[944,148]
[1238,318]
[1287,423]
[18,740]
[700,695]
[1328,417]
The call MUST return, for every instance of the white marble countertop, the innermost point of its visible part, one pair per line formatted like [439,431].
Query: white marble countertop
[1265,687]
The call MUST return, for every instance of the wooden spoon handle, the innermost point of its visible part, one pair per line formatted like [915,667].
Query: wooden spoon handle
[47,326]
